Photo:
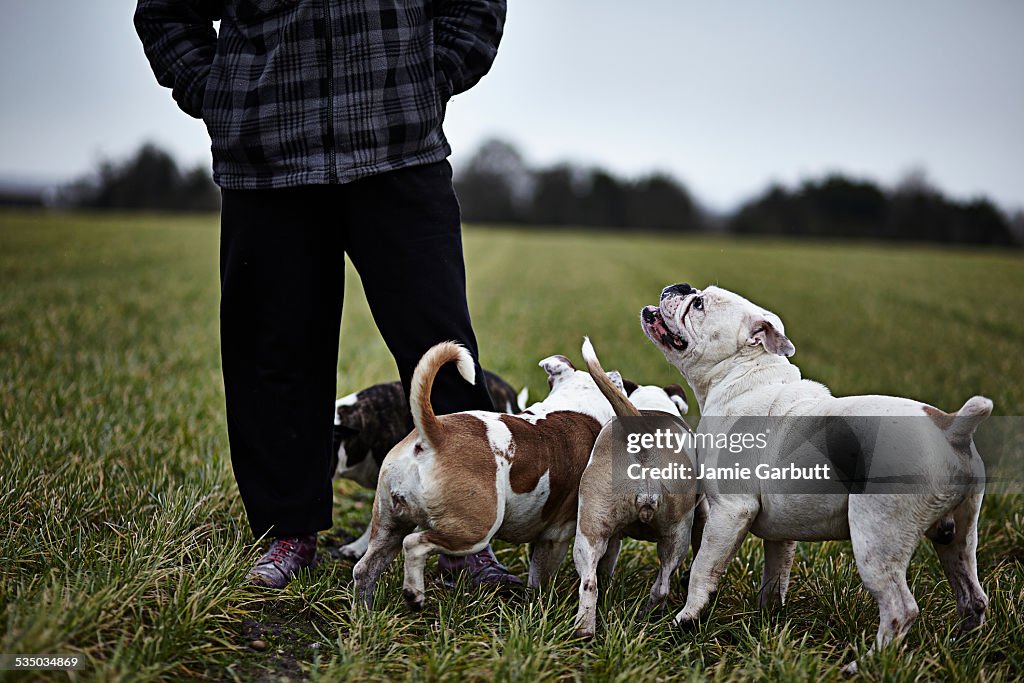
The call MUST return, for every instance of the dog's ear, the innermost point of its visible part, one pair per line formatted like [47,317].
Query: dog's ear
[558,368]
[769,335]
[348,418]
[616,377]
[677,396]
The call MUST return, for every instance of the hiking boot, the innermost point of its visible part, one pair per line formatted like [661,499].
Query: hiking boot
[481,569]
[284,558]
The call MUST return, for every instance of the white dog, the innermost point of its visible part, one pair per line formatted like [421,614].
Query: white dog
[734,354]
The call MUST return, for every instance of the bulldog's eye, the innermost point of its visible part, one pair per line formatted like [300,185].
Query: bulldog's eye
[698,303]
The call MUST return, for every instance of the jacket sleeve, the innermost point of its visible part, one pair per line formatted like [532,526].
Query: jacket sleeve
[180,42]
[466,37]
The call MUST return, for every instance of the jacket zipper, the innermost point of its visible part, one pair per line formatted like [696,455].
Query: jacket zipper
[331,153]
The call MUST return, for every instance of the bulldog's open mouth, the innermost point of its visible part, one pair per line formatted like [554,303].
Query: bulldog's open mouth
[656,329]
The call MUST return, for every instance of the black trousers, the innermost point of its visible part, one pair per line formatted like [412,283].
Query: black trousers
[282,283]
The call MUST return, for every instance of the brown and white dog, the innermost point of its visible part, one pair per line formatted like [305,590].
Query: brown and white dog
[612,506]
[468,477]
[368,423]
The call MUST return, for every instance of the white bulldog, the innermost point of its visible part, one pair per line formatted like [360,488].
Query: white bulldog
[735,356]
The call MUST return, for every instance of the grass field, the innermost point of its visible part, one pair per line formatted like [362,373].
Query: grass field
[122,537]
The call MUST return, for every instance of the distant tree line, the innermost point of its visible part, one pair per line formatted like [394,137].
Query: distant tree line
[496,185]
[148,179]
[838,206]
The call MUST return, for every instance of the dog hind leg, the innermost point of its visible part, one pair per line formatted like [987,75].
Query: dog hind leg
[545,558]
[587,553]
[882,551]
[606,566]
[700,519]
[672,548]
[381,552]
[778,562]
[418,547]
[960,563]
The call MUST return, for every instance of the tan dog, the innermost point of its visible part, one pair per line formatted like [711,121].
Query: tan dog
[468,477]
[611,505]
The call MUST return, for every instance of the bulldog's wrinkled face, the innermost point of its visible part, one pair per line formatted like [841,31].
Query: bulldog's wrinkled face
[674,341]
[693,326]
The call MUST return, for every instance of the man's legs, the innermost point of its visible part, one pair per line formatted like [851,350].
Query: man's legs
[405,239]
[282,281]
[404,236]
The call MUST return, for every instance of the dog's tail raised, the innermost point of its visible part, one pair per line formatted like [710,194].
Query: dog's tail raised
[523,399]
[429,427]
[620,404]
[966,420]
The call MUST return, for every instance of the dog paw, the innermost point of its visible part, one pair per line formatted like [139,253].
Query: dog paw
[529,593]
[974,620]
[364,599]
[583,634]
[850,669]
[413,599]
[350,554]
[684,622]
[655,610]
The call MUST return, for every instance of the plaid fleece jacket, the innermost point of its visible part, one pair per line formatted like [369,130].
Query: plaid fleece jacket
[301,92]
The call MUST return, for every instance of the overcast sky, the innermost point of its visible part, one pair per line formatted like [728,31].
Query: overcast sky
[726,96]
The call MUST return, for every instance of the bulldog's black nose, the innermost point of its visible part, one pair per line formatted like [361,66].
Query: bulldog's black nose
[677,290]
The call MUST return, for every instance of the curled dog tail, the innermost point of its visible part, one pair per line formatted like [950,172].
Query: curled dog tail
[429,427]
[646,506]
[966,420]
[620,404]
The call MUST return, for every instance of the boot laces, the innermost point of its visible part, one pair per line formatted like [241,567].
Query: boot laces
[281,548]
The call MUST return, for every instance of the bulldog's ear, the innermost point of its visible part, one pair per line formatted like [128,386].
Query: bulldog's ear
[348,417]
[678,396]
[558,368]
[616,377]
[765,333]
